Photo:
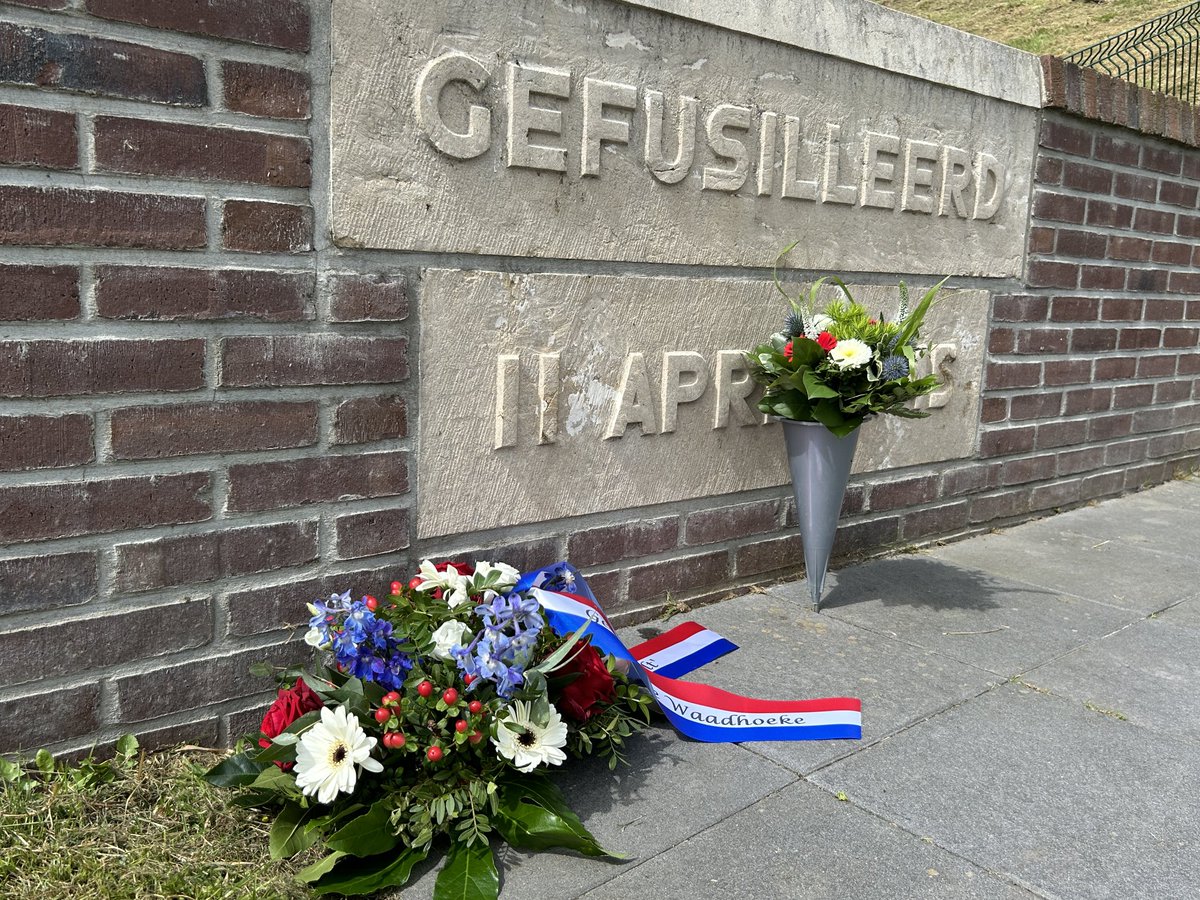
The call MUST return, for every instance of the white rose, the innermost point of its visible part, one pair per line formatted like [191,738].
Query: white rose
[850,354]
[447,637]
[312,637]
[508,575]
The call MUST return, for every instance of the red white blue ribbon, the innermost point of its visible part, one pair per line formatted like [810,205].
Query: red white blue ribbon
[697,710]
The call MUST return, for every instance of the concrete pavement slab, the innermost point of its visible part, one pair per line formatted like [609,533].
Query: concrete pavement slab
[1183,615]
[1068,801]
[672,789]
[789,652]
[1104,569]
[984,620]
[1148,673]
[803,844]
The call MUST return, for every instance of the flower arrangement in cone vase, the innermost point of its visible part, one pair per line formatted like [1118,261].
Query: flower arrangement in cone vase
[841,364]
[434,725]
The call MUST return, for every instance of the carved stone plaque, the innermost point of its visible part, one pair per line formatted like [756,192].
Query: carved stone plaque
[607,131]
[546,396]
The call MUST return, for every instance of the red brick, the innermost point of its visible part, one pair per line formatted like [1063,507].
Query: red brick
[67,648]
[1163,309]
[1074,309]
[1189,364]
[995,507]
[1042,405]
[606,586]
[1004,441]
[1048,171]
[154,432]
[1113,368]
[1067,371]
[1109,215]
[38,293]
[58,368]
[1019,308]
[965,480]
[1046,273]
[1043,340]
[1117,309]
[1002,341]
[1116,150]
[45,442]
[678,576]
[1086,244]
[1180,337]
[1088,400]
[197,558]
[37,137]
[903,493]
[1041,239]
[1167,252]
[862,538]
[1184,283]
[1126,247]
[1147,280]
[1187,226]
[1067,138]
[1054,81]
[295,482]
[1083,177]
[524,556]
[89,65]
[1172,392]
[33,721]
[1107,277]
[367,419]
[46,216]
[995,409]
[368,298]
[1051,207]
[1031,468]
[372,533]
[1131,396]
[1155,221]
[258,611]
[1169,162]
[1060,434]
[272,23]
[1104,428]
[1139,338]
[1135,187]
[269,91]
[192,685]
[259,227]
[626,540]
[282,360]
[149,292]
[47,582]
[1177,193]
[711,526]
[42,511]
[1004,375]
[939,520]
[177,150]
[1107,484]
[1054,496]
[1092,340]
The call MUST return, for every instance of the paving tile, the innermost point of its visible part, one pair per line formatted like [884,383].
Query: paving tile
[671,790]
[1067,801]
[803,843]
[1109,570]
[1148,672]
[1183,615]
[788,652]
[1000,625]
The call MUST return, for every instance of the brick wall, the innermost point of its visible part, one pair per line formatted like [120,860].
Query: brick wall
[205,409]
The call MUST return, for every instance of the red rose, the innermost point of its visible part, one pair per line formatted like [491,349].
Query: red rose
[827,341]
[582,698]
[460,568]
[787,351]
[290,705]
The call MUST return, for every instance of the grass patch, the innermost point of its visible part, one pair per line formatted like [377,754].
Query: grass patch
[1039,26]
[143,827]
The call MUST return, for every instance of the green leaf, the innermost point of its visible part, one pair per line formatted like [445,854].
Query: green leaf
[365,876]
[288,836]
[549,663]
[815,388]
[274,779]
[10,772]
[322,866]
[535,816]
[469,874]
[367,835]
[127,748]
[45,762]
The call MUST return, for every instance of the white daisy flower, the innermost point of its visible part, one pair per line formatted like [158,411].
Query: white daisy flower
[528,745]
[328,753]
[850,354]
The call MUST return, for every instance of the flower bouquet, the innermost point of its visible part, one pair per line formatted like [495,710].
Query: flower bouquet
[443,707]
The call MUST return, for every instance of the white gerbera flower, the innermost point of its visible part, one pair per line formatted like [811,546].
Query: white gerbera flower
[508,575]
[850,354]
[453,585]
[447,637]
[528,745]
[328,753]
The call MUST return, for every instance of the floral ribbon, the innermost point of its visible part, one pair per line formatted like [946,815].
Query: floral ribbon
[698,711]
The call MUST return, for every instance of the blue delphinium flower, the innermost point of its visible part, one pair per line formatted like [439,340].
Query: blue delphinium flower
[502,650]
[894,368]
[362,644]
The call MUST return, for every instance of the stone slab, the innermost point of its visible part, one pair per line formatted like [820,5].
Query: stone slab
[533,129]
[671,790]
[803,844]
[1003,626]
[1148,672]
[1183,615]
[788,652]
[552,395]
[1068,801]
[1110,570]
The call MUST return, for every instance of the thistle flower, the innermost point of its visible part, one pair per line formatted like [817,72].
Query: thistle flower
[793,325]
[894,368]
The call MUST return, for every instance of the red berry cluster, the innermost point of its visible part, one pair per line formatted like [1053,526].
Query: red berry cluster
[461,722]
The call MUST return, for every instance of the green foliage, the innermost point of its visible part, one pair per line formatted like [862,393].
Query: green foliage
[469,874]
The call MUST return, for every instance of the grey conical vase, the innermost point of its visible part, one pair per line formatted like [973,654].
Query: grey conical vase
[820,462]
